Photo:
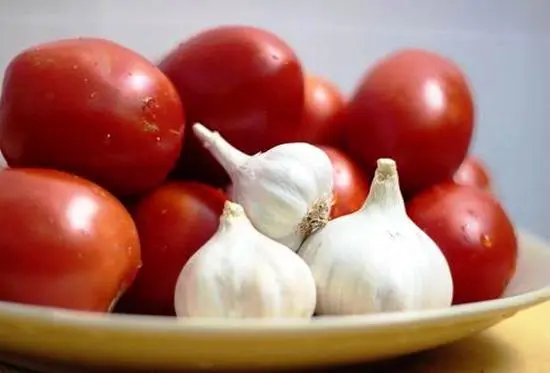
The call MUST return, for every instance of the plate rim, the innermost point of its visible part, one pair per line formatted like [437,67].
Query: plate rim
[169,324]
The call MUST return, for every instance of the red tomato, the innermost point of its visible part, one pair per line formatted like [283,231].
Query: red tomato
[94,108]
[322,106]
[173,221]
[475,234]
[416,107]
[242,81]
[65,242]
[473,172]
[351,185]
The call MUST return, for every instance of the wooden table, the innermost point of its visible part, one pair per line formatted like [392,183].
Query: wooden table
[518,345]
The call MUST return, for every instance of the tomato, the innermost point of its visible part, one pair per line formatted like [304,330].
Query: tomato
[323,104]
[351,185]
[173,222]
[65,242]
[473,172]
[416,107]
[242,81]
[475,234]
[93,108]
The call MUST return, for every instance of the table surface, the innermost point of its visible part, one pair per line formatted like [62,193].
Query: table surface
[520,344]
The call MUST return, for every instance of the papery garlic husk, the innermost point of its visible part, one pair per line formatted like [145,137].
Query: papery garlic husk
[241,273]
[377,259]
[286,191]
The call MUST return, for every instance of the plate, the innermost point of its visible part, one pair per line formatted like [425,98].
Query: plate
[166,343]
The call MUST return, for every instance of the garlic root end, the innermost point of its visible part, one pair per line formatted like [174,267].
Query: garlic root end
[317,217]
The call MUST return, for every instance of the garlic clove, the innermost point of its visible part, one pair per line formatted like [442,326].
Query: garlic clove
[241,273]
[377,259]
[285,191]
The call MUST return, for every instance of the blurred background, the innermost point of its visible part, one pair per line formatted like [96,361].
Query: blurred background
[502,45]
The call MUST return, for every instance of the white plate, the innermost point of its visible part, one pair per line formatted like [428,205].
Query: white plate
[157,342]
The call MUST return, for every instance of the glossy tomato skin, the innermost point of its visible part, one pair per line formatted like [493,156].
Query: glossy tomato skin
[242,81]
[351,185]
[323,105]
[416,107]
[475,234]
[173,221]
[65,242]
[93,108]
[473,172]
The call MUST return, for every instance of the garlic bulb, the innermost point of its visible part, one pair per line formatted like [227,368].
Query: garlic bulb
[241,273]
[286,192]
[377,259]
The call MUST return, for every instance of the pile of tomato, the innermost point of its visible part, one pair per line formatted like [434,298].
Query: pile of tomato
[108,193]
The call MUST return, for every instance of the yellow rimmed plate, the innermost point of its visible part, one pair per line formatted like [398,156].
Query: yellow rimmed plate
[166,343]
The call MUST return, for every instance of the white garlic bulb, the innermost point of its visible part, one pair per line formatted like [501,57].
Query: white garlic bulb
[241,273]
[286,191]
[376,259]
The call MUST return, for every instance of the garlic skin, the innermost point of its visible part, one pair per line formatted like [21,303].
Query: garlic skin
[241,273]
[286,191]
[377,259]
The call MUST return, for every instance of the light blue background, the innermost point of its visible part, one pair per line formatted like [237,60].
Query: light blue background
[503,45]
